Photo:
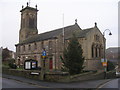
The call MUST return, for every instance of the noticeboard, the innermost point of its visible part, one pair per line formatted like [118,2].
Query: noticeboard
[34,63]
[30,64]
[27,65]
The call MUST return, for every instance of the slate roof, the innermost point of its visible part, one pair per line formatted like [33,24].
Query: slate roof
[54,33]
[84,32]
[51,34]
[113,49]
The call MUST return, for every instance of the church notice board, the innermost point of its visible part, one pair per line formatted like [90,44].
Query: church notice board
[30,64]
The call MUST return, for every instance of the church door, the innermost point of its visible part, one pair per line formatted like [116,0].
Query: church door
[51,64]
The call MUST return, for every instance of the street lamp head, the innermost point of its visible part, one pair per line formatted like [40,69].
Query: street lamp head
[108,30]
[110,33]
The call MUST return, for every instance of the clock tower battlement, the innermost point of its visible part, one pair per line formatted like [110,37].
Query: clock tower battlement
[28,26]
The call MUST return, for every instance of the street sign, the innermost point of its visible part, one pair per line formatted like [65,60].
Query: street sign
[44,53]
[43,57]
[104,63]
[102,60]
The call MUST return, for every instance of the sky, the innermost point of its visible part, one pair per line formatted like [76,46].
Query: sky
[50,17]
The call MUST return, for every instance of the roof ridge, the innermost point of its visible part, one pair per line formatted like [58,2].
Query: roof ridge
[56,29]
[88,28]
[49,34]
[112,47]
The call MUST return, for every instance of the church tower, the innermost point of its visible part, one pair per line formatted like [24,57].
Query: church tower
[28,23]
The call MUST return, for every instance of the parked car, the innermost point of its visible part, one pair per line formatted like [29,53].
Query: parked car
[117,74]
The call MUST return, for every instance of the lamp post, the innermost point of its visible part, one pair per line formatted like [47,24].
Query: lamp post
[105,67]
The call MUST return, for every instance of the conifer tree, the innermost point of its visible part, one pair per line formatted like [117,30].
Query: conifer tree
[73,59]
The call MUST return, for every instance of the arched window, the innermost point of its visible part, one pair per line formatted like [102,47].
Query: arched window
[35,46]
[50,46]
[29,47]
[18,48]
[96,53]
[99,51]
[92,51]
[24,48]
[42,44]
[96,50]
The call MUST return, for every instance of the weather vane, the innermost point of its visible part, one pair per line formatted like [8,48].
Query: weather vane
[75,20]
[29,3]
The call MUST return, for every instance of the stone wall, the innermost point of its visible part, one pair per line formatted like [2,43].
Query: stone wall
[50,76]
[21,73]
[59,76]
[55,76]
[33,53]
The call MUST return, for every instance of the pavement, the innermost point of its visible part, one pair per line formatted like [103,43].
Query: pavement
[44,84]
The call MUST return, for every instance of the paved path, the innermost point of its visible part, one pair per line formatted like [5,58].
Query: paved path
[20,82]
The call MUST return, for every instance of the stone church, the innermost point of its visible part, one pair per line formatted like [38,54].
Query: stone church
[31,44]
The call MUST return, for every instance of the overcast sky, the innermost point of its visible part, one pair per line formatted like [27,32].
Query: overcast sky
[50,17]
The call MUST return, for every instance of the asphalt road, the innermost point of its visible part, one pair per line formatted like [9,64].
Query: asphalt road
[115,83]
[9,83]
[19,82]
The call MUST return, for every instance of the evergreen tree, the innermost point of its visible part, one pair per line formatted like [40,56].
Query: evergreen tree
[73,59]
[110,66]
[5,54]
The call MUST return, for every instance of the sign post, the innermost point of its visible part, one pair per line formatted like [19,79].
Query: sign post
[104,63]
[43,65]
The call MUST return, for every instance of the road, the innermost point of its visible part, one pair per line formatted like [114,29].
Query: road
[18,82]
[115,83]
[9,83]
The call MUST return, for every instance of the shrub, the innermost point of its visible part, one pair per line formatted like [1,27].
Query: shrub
[11,63]
[110,66]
